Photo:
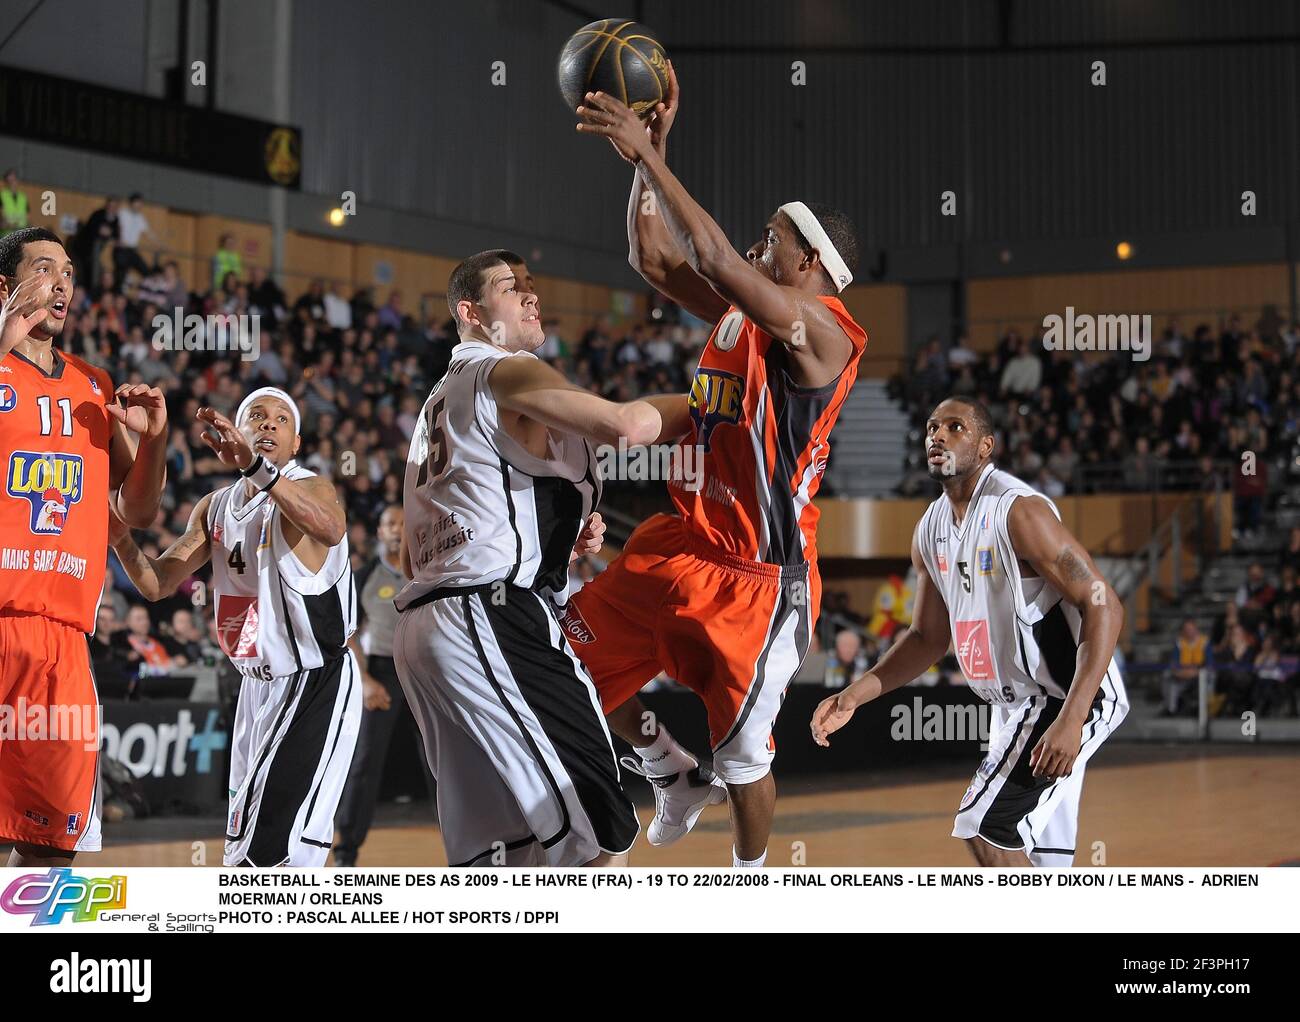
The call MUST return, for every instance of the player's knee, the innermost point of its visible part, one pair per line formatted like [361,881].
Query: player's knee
[738,770]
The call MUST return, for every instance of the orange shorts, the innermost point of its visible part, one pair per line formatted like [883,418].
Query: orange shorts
[49,735]
[733,631]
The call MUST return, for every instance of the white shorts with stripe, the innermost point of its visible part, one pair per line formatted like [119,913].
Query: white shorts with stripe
[1011,809]
[291,749]
[513,732]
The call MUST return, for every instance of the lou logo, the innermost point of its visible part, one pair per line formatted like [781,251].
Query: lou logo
[715,397]
[51,483]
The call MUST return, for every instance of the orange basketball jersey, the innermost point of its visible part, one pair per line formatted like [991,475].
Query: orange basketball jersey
[54,440]
[764,441]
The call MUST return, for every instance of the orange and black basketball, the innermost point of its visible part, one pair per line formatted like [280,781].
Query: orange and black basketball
[617,56]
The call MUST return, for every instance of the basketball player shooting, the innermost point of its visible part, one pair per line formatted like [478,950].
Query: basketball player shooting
[70,443]
[285,608]
[724,596]
[1034,625]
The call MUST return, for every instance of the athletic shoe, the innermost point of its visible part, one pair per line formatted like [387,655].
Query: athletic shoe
[679,799]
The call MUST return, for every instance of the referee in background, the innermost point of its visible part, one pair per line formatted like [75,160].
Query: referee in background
[382,695]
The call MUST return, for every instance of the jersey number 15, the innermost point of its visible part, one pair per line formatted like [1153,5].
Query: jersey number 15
[436,462]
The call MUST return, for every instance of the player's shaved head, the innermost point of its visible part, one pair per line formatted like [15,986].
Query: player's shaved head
[959,438]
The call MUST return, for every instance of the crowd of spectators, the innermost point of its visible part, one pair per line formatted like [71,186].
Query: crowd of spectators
[1253,652]
[1087,422]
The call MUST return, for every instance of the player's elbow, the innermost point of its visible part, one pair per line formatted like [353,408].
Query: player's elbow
[637,423]
[137,516]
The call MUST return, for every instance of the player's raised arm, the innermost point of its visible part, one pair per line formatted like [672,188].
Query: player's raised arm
[920,646]
[311,505]
[795,317]
[534,389]
[651,250]
[157,578]
[25,305]
[1038,536]
[137,452]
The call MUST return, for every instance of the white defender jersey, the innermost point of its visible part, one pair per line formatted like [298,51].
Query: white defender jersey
[274,617]
[479,507]
[1014,637]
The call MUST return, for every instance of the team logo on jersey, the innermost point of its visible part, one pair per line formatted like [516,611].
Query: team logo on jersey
[8,397]
[218,531]
[728,331]
[974,652]
[237,625]
[943,564]
[575,626]
[984,559]
[51,483]
[716,397]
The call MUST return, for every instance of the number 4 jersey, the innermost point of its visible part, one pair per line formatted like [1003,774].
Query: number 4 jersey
[54,439]
[1014,637]
[275,618]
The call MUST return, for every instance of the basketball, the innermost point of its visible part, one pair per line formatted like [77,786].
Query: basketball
[616,56]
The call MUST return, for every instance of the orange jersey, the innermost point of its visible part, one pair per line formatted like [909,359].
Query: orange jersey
[54,442]
[765,442]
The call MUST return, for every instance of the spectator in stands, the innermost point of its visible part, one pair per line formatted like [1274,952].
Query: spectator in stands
[847,659]
[1141,468]
[226,260]
[99,230]
[390,316]
[140,647]
[1291,552]
[1256,593]
[111,672]
[1235,673]
[186,637]
[265,299]
[1023,373]
[338,313]
[1191,655]
[1270,678]
[13,205]
[132,227]
[311,305]
[960,355]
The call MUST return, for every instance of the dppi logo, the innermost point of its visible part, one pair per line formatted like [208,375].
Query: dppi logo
[716,397]
[47,899]
[50,482]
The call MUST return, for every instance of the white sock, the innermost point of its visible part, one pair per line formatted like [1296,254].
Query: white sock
[664,756]
[736,860]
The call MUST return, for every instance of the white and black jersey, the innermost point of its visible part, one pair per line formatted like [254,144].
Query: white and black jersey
[1014,637]
[1016,640]
[479,507]
[285,628]
[512,726]
[274,617]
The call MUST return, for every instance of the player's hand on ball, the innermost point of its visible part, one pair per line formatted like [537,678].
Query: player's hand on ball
[832,713]
[602,114]
[1056,751]
[590,539]
[145,411]
[373,695]
[225,439]
[661,120]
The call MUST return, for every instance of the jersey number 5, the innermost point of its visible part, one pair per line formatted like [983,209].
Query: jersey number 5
[436,462]
[964,570]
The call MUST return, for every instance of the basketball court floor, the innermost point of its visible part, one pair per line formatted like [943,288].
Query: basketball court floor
[1143,805]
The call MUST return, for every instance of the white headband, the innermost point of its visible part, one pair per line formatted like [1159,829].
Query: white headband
[275,392]
[816,236]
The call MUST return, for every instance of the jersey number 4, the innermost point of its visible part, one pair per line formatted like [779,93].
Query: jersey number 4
[236,559]
[436,462]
